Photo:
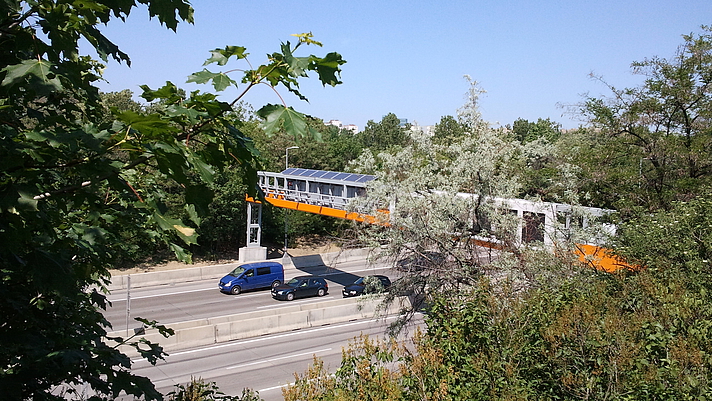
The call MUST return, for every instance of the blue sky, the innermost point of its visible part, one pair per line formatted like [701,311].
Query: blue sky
[409,57]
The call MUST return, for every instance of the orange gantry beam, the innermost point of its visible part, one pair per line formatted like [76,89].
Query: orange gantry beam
[279,201]
[595,256]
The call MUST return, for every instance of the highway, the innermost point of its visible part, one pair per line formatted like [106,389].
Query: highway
[265,364]
[202,299]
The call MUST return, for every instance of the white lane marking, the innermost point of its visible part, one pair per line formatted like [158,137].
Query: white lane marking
[285,385]
[278,359]
[271,338]
[215,288]
[274,388]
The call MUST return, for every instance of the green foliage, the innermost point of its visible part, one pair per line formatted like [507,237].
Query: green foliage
[383,135]
[547,169]
[448,131]
[224,225]
[659,132]
[276,116]
[374,369]
[332,152]
[119,102]
[525,131]
[75,185]
[199,390]
[593,336]
[677,239]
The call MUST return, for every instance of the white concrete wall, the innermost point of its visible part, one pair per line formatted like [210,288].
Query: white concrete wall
[203,332]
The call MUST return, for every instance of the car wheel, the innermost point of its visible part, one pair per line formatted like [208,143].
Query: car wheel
[276,283]
[321,292]
[290,296]
[235,290]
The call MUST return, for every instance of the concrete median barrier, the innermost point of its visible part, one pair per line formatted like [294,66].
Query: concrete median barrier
[201,332]
[169,277]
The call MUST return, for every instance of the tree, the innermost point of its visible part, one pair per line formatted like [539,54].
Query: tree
[447,131]
[662,130]
[548,169]
[383,135]
[434,234]
[69,179]
[526,131]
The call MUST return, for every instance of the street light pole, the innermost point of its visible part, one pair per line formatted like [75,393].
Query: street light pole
[286,211]
[286,156]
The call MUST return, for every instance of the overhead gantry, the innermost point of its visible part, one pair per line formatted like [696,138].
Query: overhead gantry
[316,191]
[329,193]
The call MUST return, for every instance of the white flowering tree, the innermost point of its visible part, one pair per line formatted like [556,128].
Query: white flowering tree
[436,235]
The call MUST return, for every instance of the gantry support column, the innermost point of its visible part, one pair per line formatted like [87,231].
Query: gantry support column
[254,250]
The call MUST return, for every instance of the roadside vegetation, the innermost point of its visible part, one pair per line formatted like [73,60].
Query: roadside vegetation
[523,323]
[95,180]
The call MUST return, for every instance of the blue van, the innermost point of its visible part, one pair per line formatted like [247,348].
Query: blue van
[250,276]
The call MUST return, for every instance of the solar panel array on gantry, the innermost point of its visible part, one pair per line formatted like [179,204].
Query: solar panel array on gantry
[329,176]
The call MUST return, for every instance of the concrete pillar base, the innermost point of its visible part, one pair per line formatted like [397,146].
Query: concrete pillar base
[252,254]
[287,262]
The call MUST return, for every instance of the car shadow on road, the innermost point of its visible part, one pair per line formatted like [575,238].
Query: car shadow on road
[315,265]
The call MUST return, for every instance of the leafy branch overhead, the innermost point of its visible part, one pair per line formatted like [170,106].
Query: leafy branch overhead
[79,178]
[282,68]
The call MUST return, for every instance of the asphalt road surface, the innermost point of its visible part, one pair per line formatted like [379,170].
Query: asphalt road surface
[265,364]
[202,299]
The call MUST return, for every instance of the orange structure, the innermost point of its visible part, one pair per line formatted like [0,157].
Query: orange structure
[328,193]
[279,201]
[602,258]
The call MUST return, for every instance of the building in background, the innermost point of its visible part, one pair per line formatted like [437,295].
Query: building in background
[337,123]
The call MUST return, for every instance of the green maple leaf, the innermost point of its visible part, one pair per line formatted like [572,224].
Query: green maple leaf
[201,77]
[168,92]
[104,46]
[150,125]
[328,68]
[40,69]
[297,65]
[221,56]
[193,115]
[169,12]
[207,173]
[220,80]
[187,234]
[293,122]
[181,254]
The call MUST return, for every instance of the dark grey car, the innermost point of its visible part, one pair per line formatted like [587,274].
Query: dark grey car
[367,285]
[301,287]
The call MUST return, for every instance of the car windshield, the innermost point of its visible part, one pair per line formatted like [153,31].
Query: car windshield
[294,282]
[359,281]
[238,270]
